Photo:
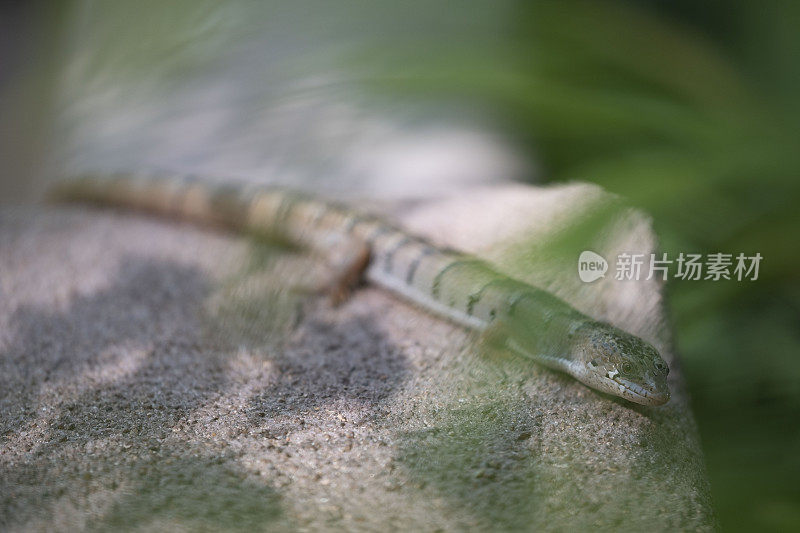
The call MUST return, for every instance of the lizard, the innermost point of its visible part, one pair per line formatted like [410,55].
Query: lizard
[528,321]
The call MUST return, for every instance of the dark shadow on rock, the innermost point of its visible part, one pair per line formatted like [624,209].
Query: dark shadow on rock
[321,354]
[139,487]
[115,435]
[349,360]
[151,306]
[479,459]
[503,460]
[480,452]
[197,493]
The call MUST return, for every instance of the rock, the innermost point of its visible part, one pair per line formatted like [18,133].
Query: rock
[102,311]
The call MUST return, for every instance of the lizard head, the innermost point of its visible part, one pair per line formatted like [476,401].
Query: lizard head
[613,361]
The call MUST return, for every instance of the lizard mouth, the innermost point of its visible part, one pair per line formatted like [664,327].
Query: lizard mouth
[640,394]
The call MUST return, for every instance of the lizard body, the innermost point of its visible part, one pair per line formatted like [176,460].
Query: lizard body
[456,286]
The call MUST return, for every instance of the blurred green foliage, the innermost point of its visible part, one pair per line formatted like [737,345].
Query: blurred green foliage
[690,112]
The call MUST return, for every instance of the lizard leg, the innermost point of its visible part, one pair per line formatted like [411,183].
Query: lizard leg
[346,259]
[493,341]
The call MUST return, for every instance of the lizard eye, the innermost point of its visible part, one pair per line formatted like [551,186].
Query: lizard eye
[627,368]
[662,367]
[593,362]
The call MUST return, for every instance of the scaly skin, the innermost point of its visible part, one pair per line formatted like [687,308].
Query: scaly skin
[464,289]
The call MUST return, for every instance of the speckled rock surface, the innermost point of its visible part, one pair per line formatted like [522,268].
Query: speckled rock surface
[158,375]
